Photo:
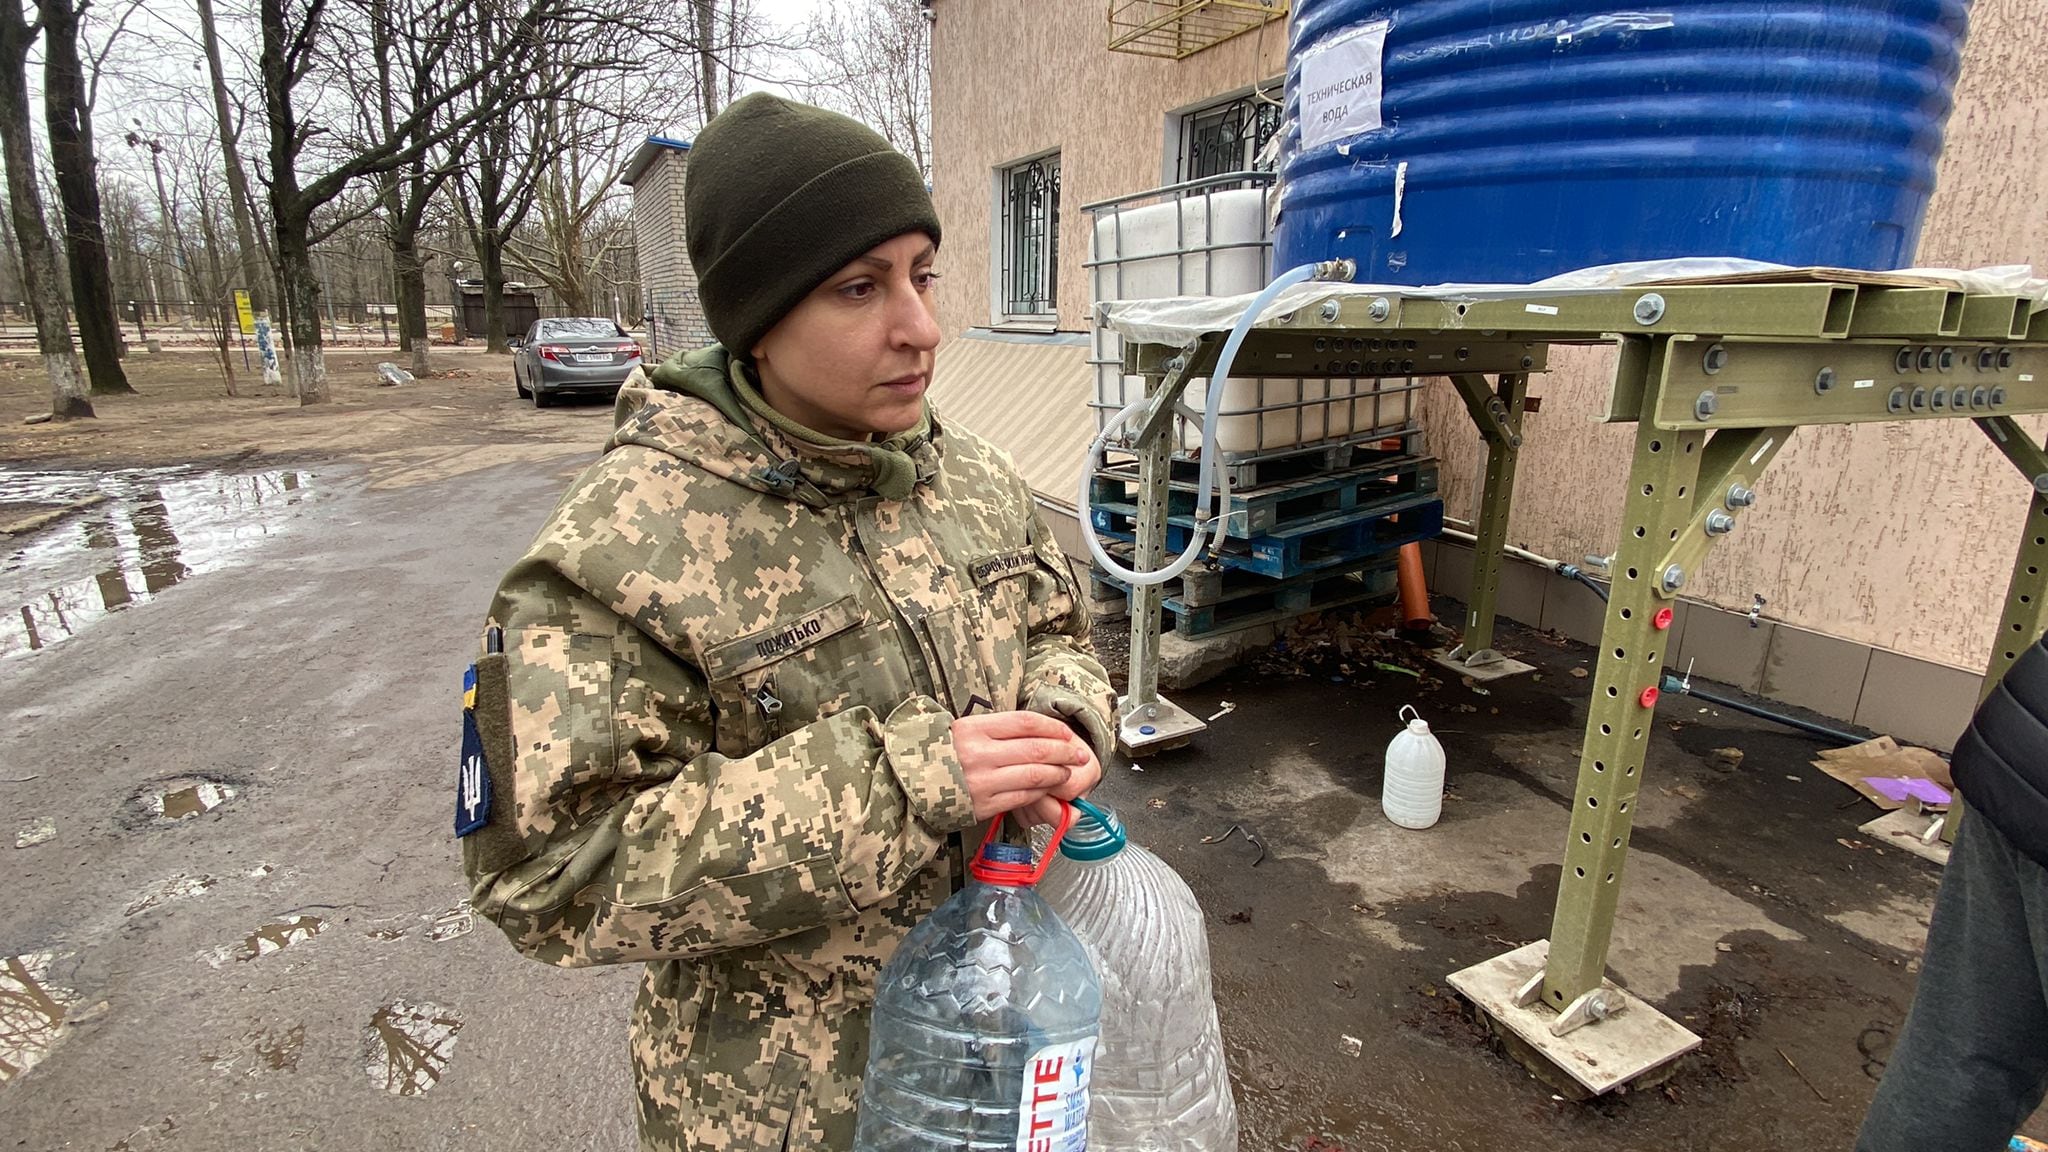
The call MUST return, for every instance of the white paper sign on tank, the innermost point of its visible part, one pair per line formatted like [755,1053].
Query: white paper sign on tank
[1341,84]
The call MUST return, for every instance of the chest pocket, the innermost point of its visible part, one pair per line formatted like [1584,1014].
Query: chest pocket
[772,680]
[1002,585]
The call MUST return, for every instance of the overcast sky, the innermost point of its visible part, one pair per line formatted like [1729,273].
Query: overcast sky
[156,72]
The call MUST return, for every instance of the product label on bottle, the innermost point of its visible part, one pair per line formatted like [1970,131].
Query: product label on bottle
[1053,1114]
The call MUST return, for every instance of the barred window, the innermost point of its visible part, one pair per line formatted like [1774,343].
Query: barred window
[1030,194]
[1227,137]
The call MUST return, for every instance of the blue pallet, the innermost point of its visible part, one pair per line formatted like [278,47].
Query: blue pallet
[1310,545]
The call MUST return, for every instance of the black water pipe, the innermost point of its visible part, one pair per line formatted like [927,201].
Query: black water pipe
[1674,684]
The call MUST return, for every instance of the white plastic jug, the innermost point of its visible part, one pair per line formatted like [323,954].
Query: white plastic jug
[1413,794]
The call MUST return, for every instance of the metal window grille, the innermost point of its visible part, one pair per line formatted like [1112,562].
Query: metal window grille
[1227,137]
[1031,237]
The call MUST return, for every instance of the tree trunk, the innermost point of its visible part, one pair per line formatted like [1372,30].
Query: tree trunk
[411,282]
[491,254]
[255,275]
[707,56]
[302,311]
[42,281]
[221,317]
[71,154]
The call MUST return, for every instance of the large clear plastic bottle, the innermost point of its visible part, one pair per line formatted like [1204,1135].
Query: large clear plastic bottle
[985,1024]
[1160,1083]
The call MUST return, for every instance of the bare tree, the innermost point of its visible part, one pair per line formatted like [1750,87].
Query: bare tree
[877,56]
[67,109]
[40,275]
[400,87]
[255,272]
[558,159]
[584,220]
[496,191]
[297,57]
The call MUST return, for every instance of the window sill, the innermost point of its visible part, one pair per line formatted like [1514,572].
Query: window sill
[1031,325]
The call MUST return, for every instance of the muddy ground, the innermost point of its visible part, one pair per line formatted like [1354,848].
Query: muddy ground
[227,738]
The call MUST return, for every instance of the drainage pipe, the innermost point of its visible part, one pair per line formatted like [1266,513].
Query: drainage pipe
[1671,683]
[1674,684]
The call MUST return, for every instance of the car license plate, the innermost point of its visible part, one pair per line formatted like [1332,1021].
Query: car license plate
[593,357]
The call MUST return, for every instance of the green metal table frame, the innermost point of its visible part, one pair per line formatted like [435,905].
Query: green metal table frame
[1716,379]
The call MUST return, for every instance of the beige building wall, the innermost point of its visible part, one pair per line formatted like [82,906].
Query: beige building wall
[1899,538]
[1013,80]
[1896,536]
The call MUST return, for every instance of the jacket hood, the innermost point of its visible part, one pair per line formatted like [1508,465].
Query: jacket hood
[703,408]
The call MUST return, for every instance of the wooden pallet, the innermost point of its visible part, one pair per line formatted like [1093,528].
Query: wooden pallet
[1312,545]
[1204,603]
[1257,512]
[1250,470]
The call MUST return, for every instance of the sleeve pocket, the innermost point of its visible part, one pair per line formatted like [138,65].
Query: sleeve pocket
[738,911]
[496,846]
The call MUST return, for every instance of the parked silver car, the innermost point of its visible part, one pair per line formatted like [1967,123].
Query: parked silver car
[573,356]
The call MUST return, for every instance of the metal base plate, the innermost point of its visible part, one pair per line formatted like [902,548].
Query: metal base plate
[1171,727]
[1498,670]
[1902,829]
[1598,1057]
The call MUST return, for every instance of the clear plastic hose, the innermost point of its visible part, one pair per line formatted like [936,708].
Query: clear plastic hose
[1207,476]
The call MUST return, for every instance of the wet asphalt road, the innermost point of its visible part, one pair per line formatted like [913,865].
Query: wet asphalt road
[286,966]
[313,666]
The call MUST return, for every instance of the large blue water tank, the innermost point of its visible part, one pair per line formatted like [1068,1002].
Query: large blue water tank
[1514,139]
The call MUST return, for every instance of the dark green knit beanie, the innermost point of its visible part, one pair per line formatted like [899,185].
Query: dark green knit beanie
[780,195]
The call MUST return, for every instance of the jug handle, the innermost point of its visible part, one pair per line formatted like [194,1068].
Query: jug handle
[1019,875]
[1405,709]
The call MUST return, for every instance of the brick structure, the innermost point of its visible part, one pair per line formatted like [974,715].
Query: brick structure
[675,315]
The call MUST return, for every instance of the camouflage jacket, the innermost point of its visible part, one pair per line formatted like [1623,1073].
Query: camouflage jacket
[715,706]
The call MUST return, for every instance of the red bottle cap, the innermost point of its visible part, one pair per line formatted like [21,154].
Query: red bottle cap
[1009,875]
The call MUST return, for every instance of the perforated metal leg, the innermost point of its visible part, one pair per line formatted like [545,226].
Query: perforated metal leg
[1498,415]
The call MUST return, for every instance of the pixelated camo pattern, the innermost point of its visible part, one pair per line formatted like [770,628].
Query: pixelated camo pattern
[730,669]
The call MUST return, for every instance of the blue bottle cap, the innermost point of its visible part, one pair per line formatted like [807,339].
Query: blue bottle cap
[1097,834]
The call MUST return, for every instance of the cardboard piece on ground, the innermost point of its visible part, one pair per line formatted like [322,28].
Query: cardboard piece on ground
[1884,757]
[1903,830]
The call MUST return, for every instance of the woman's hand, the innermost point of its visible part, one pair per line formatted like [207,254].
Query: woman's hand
[1022,760]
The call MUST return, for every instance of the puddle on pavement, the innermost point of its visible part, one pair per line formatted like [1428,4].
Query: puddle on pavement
[279,1048]
[456,921]
[280,935]
[407,1046]
[156,528]
[31,1012]
[177,887]
[183,803]
[175,800]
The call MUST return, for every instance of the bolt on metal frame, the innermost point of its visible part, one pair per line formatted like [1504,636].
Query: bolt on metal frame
[1716,378]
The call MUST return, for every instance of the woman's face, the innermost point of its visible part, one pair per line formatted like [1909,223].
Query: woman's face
[854,358]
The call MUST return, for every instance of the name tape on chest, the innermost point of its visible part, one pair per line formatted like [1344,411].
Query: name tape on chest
[986,572]
[766,646]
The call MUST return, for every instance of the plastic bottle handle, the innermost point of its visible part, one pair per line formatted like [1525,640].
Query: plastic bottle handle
[1019,875]
[1405,709]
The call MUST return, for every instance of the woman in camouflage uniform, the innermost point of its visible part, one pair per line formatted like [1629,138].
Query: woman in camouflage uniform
[773,653]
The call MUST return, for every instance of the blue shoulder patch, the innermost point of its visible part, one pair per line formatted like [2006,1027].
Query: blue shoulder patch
[473,783]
